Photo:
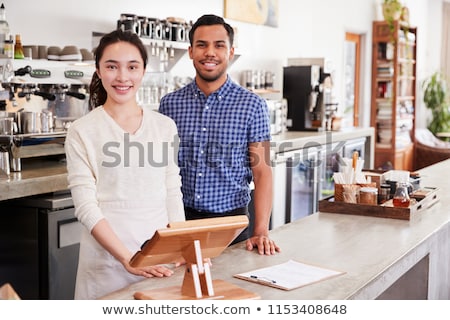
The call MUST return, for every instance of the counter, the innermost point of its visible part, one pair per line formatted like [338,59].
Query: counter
[383,258]
[40,175]
[291,140]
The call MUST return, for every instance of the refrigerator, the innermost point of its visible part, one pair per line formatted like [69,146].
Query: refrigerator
[303,172]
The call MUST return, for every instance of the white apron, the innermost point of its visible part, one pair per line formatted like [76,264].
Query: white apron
[99,273]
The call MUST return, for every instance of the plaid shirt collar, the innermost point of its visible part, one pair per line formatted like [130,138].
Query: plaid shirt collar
[221,92]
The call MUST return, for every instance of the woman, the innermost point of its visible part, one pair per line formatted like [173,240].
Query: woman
[122,173]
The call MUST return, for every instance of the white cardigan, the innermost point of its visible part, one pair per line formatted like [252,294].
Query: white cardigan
[107,164]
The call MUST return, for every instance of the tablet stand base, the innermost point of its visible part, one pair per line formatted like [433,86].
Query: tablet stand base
[222,291]
[197,282]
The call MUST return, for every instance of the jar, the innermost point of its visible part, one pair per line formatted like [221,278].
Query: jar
[9,48]
[368,195]
[384,193]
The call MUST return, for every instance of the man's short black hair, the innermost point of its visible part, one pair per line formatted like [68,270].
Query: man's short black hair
[210,20]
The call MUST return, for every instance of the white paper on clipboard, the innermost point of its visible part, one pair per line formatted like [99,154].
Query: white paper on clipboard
[289,275]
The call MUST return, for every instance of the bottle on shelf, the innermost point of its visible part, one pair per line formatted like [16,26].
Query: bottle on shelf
[8,50]
[18,48]
[4,28]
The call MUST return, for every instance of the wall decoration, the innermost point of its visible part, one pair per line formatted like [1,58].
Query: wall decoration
[263,12]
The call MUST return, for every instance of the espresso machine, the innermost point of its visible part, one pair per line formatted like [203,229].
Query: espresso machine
[309,94]
[38,101]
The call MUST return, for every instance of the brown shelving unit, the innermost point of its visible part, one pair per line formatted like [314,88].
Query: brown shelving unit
[393,103]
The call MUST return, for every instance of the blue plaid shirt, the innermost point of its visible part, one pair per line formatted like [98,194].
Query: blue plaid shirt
[214,135]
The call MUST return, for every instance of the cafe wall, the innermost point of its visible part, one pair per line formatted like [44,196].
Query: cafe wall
[306,28]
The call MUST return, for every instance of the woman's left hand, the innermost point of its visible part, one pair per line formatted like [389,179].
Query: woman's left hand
[159,271]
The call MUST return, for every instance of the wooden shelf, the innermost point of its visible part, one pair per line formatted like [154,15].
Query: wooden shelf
[265,91]
[393,90]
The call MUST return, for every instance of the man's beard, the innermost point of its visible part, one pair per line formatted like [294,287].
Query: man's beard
[209,77]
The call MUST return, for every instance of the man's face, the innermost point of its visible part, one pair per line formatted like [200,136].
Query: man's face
[211,52]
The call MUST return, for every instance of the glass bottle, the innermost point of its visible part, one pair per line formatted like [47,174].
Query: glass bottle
[18,48]
[9,47]
[401,196]
[4,28]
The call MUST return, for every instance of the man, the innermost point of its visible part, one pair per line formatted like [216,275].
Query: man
[224,137]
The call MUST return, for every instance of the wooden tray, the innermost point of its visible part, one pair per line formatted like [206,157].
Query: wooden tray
[424,199]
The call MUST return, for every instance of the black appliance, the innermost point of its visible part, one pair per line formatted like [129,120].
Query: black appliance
[307,90]
[39,245]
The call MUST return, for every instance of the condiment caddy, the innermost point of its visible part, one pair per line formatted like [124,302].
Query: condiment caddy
[421,200]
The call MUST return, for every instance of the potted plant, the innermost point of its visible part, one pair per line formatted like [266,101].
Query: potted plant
[392,10]
[435,97]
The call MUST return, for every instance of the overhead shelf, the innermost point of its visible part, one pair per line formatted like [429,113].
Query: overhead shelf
[163,55]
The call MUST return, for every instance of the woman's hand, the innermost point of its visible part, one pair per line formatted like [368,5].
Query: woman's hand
[159,271]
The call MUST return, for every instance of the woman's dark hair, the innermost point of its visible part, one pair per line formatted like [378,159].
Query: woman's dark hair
[210,20]
[96,90]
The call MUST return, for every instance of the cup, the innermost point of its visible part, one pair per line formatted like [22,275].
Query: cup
[7,125]
[350,193]
[42,52]
[27,52]
[34,52]
[4,162]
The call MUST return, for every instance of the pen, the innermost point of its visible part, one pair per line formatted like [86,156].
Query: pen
[262,279]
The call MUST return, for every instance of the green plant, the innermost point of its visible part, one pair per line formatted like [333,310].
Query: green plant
[435,97]
[392,11]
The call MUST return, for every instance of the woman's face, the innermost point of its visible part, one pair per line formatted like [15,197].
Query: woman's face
[121,70]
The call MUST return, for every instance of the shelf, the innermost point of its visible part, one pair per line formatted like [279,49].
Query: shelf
[57,69]
[393,95]
[265,91]
[163,55]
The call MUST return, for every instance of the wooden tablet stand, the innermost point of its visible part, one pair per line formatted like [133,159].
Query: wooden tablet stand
[194,240]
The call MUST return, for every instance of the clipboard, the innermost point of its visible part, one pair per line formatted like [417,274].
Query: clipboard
[289,275]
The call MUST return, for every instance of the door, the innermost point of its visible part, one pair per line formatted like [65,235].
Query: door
[330,162]
[302,183]
[357,145]
[352,78]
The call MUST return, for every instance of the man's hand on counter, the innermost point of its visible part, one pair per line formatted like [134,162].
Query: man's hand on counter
[263,244]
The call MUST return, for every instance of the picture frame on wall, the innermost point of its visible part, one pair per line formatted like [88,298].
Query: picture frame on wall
[262,12]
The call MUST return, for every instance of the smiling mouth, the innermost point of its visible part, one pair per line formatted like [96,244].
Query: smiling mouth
[122,88]
[209,65]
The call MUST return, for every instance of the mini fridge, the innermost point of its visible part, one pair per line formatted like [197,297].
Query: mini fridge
[39,244]
[302,183]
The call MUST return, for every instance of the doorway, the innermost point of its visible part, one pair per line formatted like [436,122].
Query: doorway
[352,69]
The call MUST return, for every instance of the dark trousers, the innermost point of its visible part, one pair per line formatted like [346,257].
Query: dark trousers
[192,214]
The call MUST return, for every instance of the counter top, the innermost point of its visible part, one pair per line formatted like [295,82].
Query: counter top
[376,254]
[291,140]
[40,175]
